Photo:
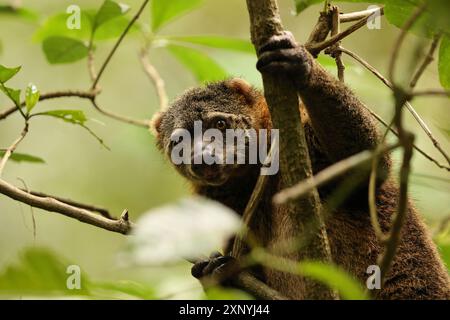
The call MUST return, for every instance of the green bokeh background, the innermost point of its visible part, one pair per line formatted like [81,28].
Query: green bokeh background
[134,175]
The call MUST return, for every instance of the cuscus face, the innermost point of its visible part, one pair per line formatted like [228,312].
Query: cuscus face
[210,133]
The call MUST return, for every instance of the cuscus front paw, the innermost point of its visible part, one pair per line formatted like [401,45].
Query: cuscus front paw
[218,268]
[282,55]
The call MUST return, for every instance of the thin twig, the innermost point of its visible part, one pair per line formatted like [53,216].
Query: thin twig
[426,62]
[329,173]
[406,140]
[33,219]
[316,48]
[417,148]
[397,45]
[354,16]
[122,36]
[53,205]
[53,95]
[431,92]
[386,259]
[336,54]
[252,205]
[408,105]
[90,59]
[10,150]
[155,78]
[372,190]
[140,123]
[104,212]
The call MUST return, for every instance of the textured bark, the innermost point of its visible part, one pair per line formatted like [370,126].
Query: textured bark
[295,165]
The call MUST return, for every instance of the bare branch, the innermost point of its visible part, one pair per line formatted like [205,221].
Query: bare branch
[320,30]
[104,212]
[13,147]
[53,95]
[397,45]
[386,259]
[431,92]
[408,105]
[354,16]
[155,78]
[315,48]
[252,205]
[336,54]
[90,59]
[329,173]
[417,148]
[283,102]
[140,123]
[119,41]
[428,59]
[53,205]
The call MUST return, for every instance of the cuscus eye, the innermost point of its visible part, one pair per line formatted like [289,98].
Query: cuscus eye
[221,124]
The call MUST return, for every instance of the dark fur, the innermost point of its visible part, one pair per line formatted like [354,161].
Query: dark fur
[337,126]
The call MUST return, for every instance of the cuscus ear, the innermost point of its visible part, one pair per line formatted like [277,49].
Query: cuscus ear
[243,88]
[155,124]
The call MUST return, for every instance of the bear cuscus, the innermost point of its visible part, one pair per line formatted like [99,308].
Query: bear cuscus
[336,126]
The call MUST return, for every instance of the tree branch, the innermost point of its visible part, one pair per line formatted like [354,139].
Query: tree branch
[408,105]
[336,54]
[104,212]
[295,165]
[154,76]
[426,62]
[404,30]
[53,95]
[13,147]
[432,92]
[252,205]
[385,260]
[328,174]
[354,16]
[117,44]
[315,48]
[140,123]
[50,204]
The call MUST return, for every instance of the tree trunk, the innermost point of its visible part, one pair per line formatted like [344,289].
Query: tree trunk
[295,165]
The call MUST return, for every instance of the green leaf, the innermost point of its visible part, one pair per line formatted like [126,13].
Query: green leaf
[38,271]
[216,42]
[163,11]
[63,50]
[22,157]
[109,10]
[32,95]
[433,20]
[113,28]
[76,117]
[444,62]
[41,272]
[71,116]
[57,26]
[202,66]
[13,94]
[7,73]
[334,277]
